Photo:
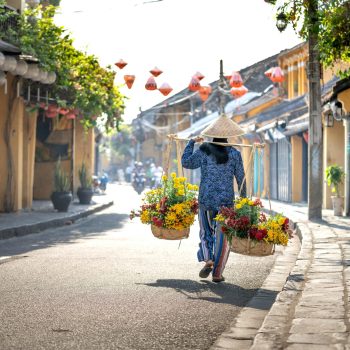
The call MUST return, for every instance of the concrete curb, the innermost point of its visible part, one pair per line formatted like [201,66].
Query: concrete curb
[23,230]
[266,313]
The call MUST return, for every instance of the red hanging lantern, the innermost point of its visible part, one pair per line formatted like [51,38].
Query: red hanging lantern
[151,84]
[194,84]
[204,92]
[269,72]
[129,80]
[63,111]
[121,64]
[238,91]
[277,75]
[156,71]
[71,115]
[165,89]
[236,80]
[199,75]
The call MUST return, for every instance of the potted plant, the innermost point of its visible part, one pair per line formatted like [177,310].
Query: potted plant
[335,176]
[61,197]
[85,191]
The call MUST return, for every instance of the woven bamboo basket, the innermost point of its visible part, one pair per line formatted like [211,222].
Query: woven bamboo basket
[247,246]
[164,233]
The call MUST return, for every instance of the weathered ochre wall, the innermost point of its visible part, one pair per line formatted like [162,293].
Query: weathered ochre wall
[266,190]
[14,175]
[333,153]
[29,140]
[3,157]
[83,151]
[44,178]
[17,151]
[297,155]
[17,4]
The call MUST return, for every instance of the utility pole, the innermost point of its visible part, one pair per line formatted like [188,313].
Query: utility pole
[315,149]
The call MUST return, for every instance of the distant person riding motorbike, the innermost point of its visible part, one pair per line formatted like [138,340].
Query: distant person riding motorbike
[139,178]
[103,182]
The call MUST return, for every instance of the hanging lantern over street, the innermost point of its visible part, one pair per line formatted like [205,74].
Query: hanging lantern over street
[52,111]
[63,111]
[268,73]
[156,71]
[194,84]
[277,75]
[236,80]
[199,75]
[151,84]
[70,115]
[165,89]
[129,80]
[238,91]
[121,64]
[204,92]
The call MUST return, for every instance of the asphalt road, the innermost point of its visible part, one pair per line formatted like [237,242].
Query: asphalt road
[107,283]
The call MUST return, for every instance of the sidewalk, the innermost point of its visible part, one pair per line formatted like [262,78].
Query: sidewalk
[311,309]
[42,216]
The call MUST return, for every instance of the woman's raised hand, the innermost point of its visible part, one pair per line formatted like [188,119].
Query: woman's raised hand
[198,139]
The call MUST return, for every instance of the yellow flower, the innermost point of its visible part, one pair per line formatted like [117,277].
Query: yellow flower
[219,218]
[173,175]
[145,217]
[251,203]
[195,187]
[238,206]
[164,178]
[281,221]
[181,192]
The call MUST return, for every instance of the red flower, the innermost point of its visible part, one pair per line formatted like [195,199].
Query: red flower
[285,225]
[156,221]
[261,234]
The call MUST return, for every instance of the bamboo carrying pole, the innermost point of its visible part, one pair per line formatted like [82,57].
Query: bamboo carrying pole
[256,144]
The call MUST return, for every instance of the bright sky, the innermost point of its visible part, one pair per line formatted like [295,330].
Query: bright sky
[180,37]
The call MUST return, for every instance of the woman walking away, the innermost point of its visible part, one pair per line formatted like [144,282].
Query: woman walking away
[219,166]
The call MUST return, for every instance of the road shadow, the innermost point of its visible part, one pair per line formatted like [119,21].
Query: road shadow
[87,228]
[223,293]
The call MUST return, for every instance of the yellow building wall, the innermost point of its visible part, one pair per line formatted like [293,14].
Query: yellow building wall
[17,4]
[29,140]
[333,153]
[13,181]
[266,190]
[3,158]
[83,151]
[297,155]
[44,170]
[44,178]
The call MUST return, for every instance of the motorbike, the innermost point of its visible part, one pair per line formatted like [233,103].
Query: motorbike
[139,182]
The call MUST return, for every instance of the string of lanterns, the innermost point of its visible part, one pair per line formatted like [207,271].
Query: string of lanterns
[275,74]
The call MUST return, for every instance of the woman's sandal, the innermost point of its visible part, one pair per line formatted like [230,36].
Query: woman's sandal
[218,279]
[205,272]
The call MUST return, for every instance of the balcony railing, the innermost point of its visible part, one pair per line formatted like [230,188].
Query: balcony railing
[9,25]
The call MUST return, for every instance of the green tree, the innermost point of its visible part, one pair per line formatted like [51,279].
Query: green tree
[330,21]
[81,82]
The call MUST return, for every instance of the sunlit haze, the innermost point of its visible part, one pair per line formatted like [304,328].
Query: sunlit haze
[180,37]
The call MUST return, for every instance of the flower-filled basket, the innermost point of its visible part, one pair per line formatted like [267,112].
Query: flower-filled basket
[249,231]
[169,209]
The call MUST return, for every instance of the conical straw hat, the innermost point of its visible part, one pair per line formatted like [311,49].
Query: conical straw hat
[222,127]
